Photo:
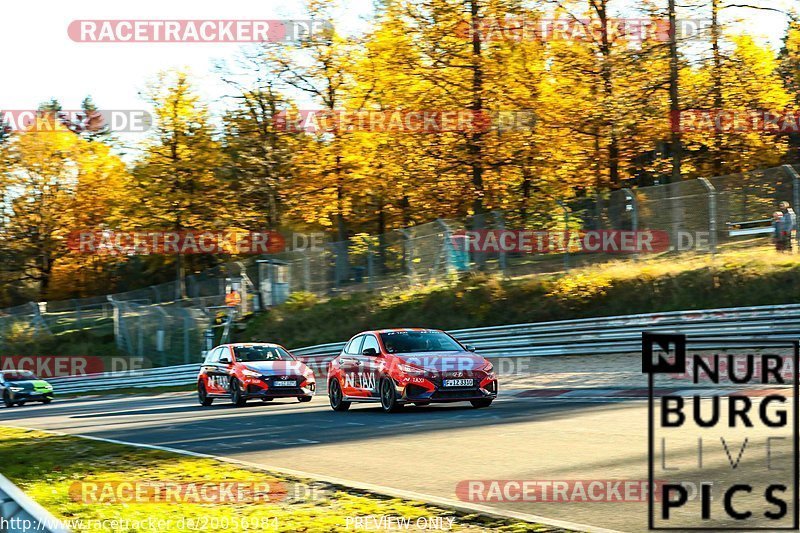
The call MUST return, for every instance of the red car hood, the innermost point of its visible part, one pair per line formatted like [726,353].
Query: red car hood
[272,368]
[443,361]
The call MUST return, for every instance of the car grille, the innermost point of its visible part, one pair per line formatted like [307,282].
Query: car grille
[454,394]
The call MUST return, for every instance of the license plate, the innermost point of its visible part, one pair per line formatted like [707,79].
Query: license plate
[458,383]
[284,383]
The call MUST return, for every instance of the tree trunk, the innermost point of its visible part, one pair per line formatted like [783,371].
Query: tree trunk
[674,103]
[717,88]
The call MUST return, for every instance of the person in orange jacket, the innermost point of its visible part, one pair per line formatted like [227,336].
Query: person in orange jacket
[233,299]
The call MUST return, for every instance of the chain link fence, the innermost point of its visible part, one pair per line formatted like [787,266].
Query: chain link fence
[157,323]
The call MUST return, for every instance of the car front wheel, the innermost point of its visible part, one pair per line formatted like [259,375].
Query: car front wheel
[237,398]
[389,401]
[7,399]
[336,397]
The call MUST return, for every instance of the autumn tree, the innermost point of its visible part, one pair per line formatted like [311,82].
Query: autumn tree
[177,185]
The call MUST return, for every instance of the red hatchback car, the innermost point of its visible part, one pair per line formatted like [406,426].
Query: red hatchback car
[253,371]
[400,366]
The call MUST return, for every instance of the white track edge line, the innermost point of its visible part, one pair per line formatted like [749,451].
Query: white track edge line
[368,487]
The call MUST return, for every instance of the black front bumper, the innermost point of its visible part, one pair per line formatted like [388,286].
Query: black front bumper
[30,396]
[414,393]
[255,391]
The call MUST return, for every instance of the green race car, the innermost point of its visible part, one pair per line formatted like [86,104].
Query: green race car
[20,386]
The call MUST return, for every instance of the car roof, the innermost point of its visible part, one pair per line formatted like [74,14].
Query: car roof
[242,344]
[390,330]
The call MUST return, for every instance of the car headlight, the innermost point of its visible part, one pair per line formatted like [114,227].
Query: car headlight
[16,389]
[407,369]
[251,373]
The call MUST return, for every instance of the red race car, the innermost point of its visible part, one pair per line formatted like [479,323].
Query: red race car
[253,370]
[400,366]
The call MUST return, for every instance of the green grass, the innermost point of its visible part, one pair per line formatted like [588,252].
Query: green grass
[46,466]
[755,276]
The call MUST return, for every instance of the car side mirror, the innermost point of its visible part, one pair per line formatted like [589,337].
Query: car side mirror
[369,351]
[470,348]
[224,360]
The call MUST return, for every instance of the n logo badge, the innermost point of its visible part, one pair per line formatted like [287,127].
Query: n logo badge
[670,351]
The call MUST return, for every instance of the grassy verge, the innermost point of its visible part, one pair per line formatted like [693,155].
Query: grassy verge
[46,466]
[756,276]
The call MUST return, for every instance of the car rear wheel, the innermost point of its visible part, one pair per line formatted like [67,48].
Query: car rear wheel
[485,402]
[304,399]
[336,397]
[202,395]
[7,399]
[237,398]
[389,401]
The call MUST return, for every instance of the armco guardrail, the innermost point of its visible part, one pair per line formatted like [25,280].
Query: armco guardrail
[19,513]
[587,336]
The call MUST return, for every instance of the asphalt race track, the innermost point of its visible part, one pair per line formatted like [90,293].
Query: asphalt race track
[422,449]
[590,433]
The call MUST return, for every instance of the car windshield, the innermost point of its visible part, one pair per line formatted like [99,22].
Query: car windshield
[251,354]
[419,341]
[18,375]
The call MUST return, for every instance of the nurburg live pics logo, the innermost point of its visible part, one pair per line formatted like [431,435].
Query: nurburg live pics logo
[743,436]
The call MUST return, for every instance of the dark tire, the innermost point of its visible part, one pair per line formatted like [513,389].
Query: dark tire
[46,400]
[202,395]
[336,397]
[389,401]
[7,399]
[478,404]
[237,398]
[304,399]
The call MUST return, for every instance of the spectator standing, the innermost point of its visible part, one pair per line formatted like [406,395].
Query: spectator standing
[787,226]
[776,231]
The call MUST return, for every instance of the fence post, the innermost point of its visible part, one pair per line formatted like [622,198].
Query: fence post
[306,272]
[447,241]
[501,226]
[407,254]
[78,321]
[187,327]
[712,214]
[370,267]
[566,233]
[630,200]
[792,173]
